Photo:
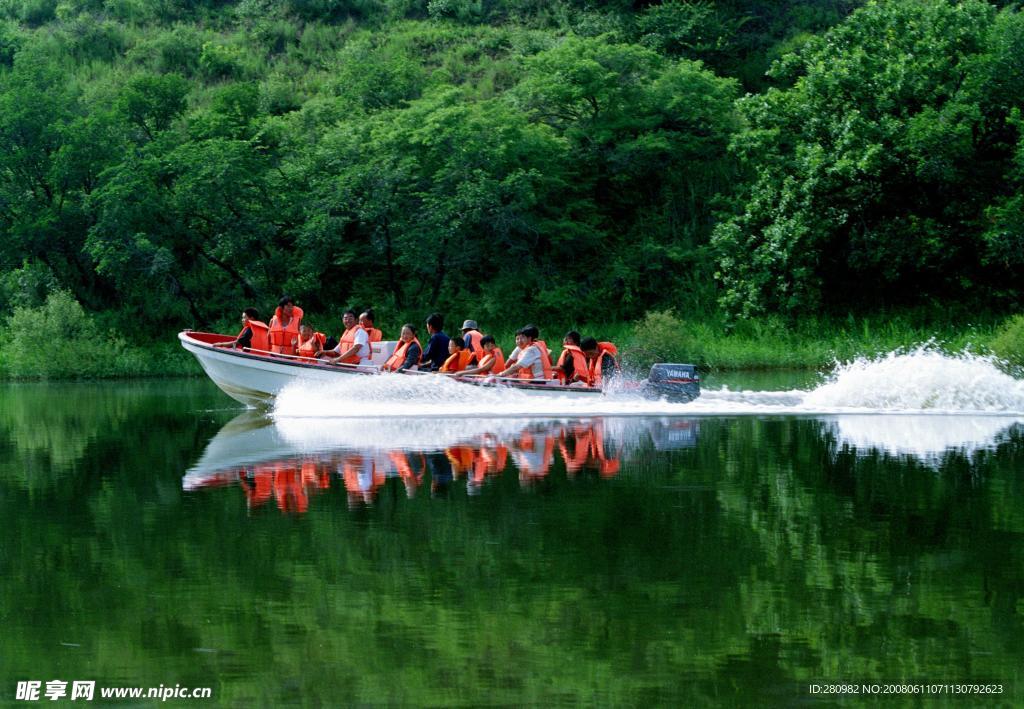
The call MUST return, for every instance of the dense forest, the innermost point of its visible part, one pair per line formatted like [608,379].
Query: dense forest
[168,163]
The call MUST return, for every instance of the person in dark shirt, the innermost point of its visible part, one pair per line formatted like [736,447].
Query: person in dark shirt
[412,354]
[437,346]
[567,365]
[244,338]
[609,367]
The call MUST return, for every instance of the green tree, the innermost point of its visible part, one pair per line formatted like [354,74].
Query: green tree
[874,167]
[438,196]
[51,153]
[648,139]
[199,209]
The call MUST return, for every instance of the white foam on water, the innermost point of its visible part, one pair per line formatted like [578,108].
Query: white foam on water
[924,437]
[921,381]
[438,396]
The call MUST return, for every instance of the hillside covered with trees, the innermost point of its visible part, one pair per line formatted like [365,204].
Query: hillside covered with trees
[168,163]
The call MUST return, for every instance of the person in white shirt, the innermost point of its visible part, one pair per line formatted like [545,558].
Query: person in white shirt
[354,347]
[526,355]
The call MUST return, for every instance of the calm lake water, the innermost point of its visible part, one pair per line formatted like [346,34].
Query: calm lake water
[157,534]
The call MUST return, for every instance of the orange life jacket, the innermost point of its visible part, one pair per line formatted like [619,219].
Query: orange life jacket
[545,361]
[493,460]
[481,461]
[397,358]
[315,474]
[498,365]
[310,347]
[260,488]
[403,467]
[575,461]
[355,483]
[282,336]
[528,443]
[289,491]
[603,348]
[260,338]
[374,334]
[461,458]
[581,368]
[474,342]
[348,341]
[458,361]
[607,467]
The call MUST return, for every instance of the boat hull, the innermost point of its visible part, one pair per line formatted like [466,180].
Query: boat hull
[253,379]
[256,379]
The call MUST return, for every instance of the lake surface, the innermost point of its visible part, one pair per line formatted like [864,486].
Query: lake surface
[157,534]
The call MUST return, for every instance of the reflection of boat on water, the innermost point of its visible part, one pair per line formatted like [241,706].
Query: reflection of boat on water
[271,463]
[254,378]
[675,433]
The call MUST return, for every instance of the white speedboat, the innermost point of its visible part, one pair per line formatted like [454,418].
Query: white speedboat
[255,377]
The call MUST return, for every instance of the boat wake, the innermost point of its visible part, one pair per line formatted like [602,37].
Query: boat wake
[920,382]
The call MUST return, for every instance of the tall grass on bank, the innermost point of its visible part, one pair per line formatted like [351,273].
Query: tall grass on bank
[1008,342]
[59,340]
[815,343]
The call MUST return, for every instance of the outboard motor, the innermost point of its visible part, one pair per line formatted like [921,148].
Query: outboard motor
[676,382]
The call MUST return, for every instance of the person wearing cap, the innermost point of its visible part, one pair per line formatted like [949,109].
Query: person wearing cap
[491,361]
[471,336]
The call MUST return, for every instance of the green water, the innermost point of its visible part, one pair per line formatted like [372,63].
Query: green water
[153,536]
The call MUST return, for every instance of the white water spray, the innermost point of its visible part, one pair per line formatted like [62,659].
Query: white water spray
[922,381]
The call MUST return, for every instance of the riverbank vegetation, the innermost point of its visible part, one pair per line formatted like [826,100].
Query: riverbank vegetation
[782,175]
[61,340]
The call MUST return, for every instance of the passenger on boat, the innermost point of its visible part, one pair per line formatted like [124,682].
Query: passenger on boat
[354,347]
[529,360]
[366,322]
[572,367]
[490,361]
[458,358]
[437,346]
[471,336]
[601,362]
[253,334]
[284,327]
[310,341]
[408,352]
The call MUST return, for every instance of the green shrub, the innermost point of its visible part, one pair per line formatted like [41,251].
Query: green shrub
[1008,342]
[221,61]
[661,337]
[37,12]
[59,340]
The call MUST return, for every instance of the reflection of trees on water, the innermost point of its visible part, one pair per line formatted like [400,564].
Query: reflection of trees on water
[764,556]
[901,563]
[53,433]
